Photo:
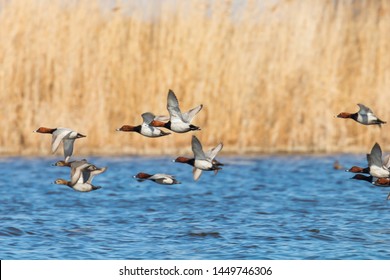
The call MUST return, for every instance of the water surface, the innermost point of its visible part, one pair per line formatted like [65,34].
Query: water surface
[287,207]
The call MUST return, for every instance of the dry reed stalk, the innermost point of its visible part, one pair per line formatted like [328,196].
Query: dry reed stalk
[271,75]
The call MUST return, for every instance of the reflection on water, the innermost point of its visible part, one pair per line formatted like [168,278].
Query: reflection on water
[293,207]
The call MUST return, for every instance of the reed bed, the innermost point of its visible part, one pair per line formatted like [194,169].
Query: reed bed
[271,75]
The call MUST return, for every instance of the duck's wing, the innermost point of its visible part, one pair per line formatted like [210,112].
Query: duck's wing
[211,154]
[77,176]
[173,107]
[93,173]
[375,157]
[191,113]
[161,118]
[68,148]
[84,172]
[196,172]
[165,179]
[77,163]
[364,110]
[161,176]
[197,148]
[57,137]
[386,161]
[147,118]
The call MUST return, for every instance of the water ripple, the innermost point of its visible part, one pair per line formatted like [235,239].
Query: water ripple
[249,210]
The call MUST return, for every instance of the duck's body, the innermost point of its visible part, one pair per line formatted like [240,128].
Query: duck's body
[364,116]
[191,161]
[159,178]
[80,187]
[202,161]
[65,135]
[145,129]
[178,122]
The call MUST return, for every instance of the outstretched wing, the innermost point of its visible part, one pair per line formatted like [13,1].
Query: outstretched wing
[93,173]
[386,161]
[68,148]
[375,157]
[197,149]
[57,137]
[196,173]
[211,154]
[161,118]
[147,117]
[191,113]
[364,109]
[77,174]
[173,107]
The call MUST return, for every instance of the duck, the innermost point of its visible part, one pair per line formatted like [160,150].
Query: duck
[202,161]
[358,169]
[178,122]
[364,116]
[87,173]
[80,180]
[159,178]
[378,168]
[209,154]
[146,129]
[65,135]
[337,165]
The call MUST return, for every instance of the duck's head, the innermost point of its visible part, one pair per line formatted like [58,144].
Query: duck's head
[182,160]
[61,163]
[344,115]
[61,182]
[44,130]
[355,169]
[126,128]
[142,176]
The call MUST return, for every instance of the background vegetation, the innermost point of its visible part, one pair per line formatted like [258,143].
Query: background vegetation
[272,75]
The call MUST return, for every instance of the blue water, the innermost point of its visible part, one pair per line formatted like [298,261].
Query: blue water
[280,207]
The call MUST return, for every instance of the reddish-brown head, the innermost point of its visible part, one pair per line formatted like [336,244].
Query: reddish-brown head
[45,130]
[182,160]
[190,161]
[344,115]
[156,123]
[126,128]
[62,182]
[355,169]
[142,175]
[383,181]
[62,163]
